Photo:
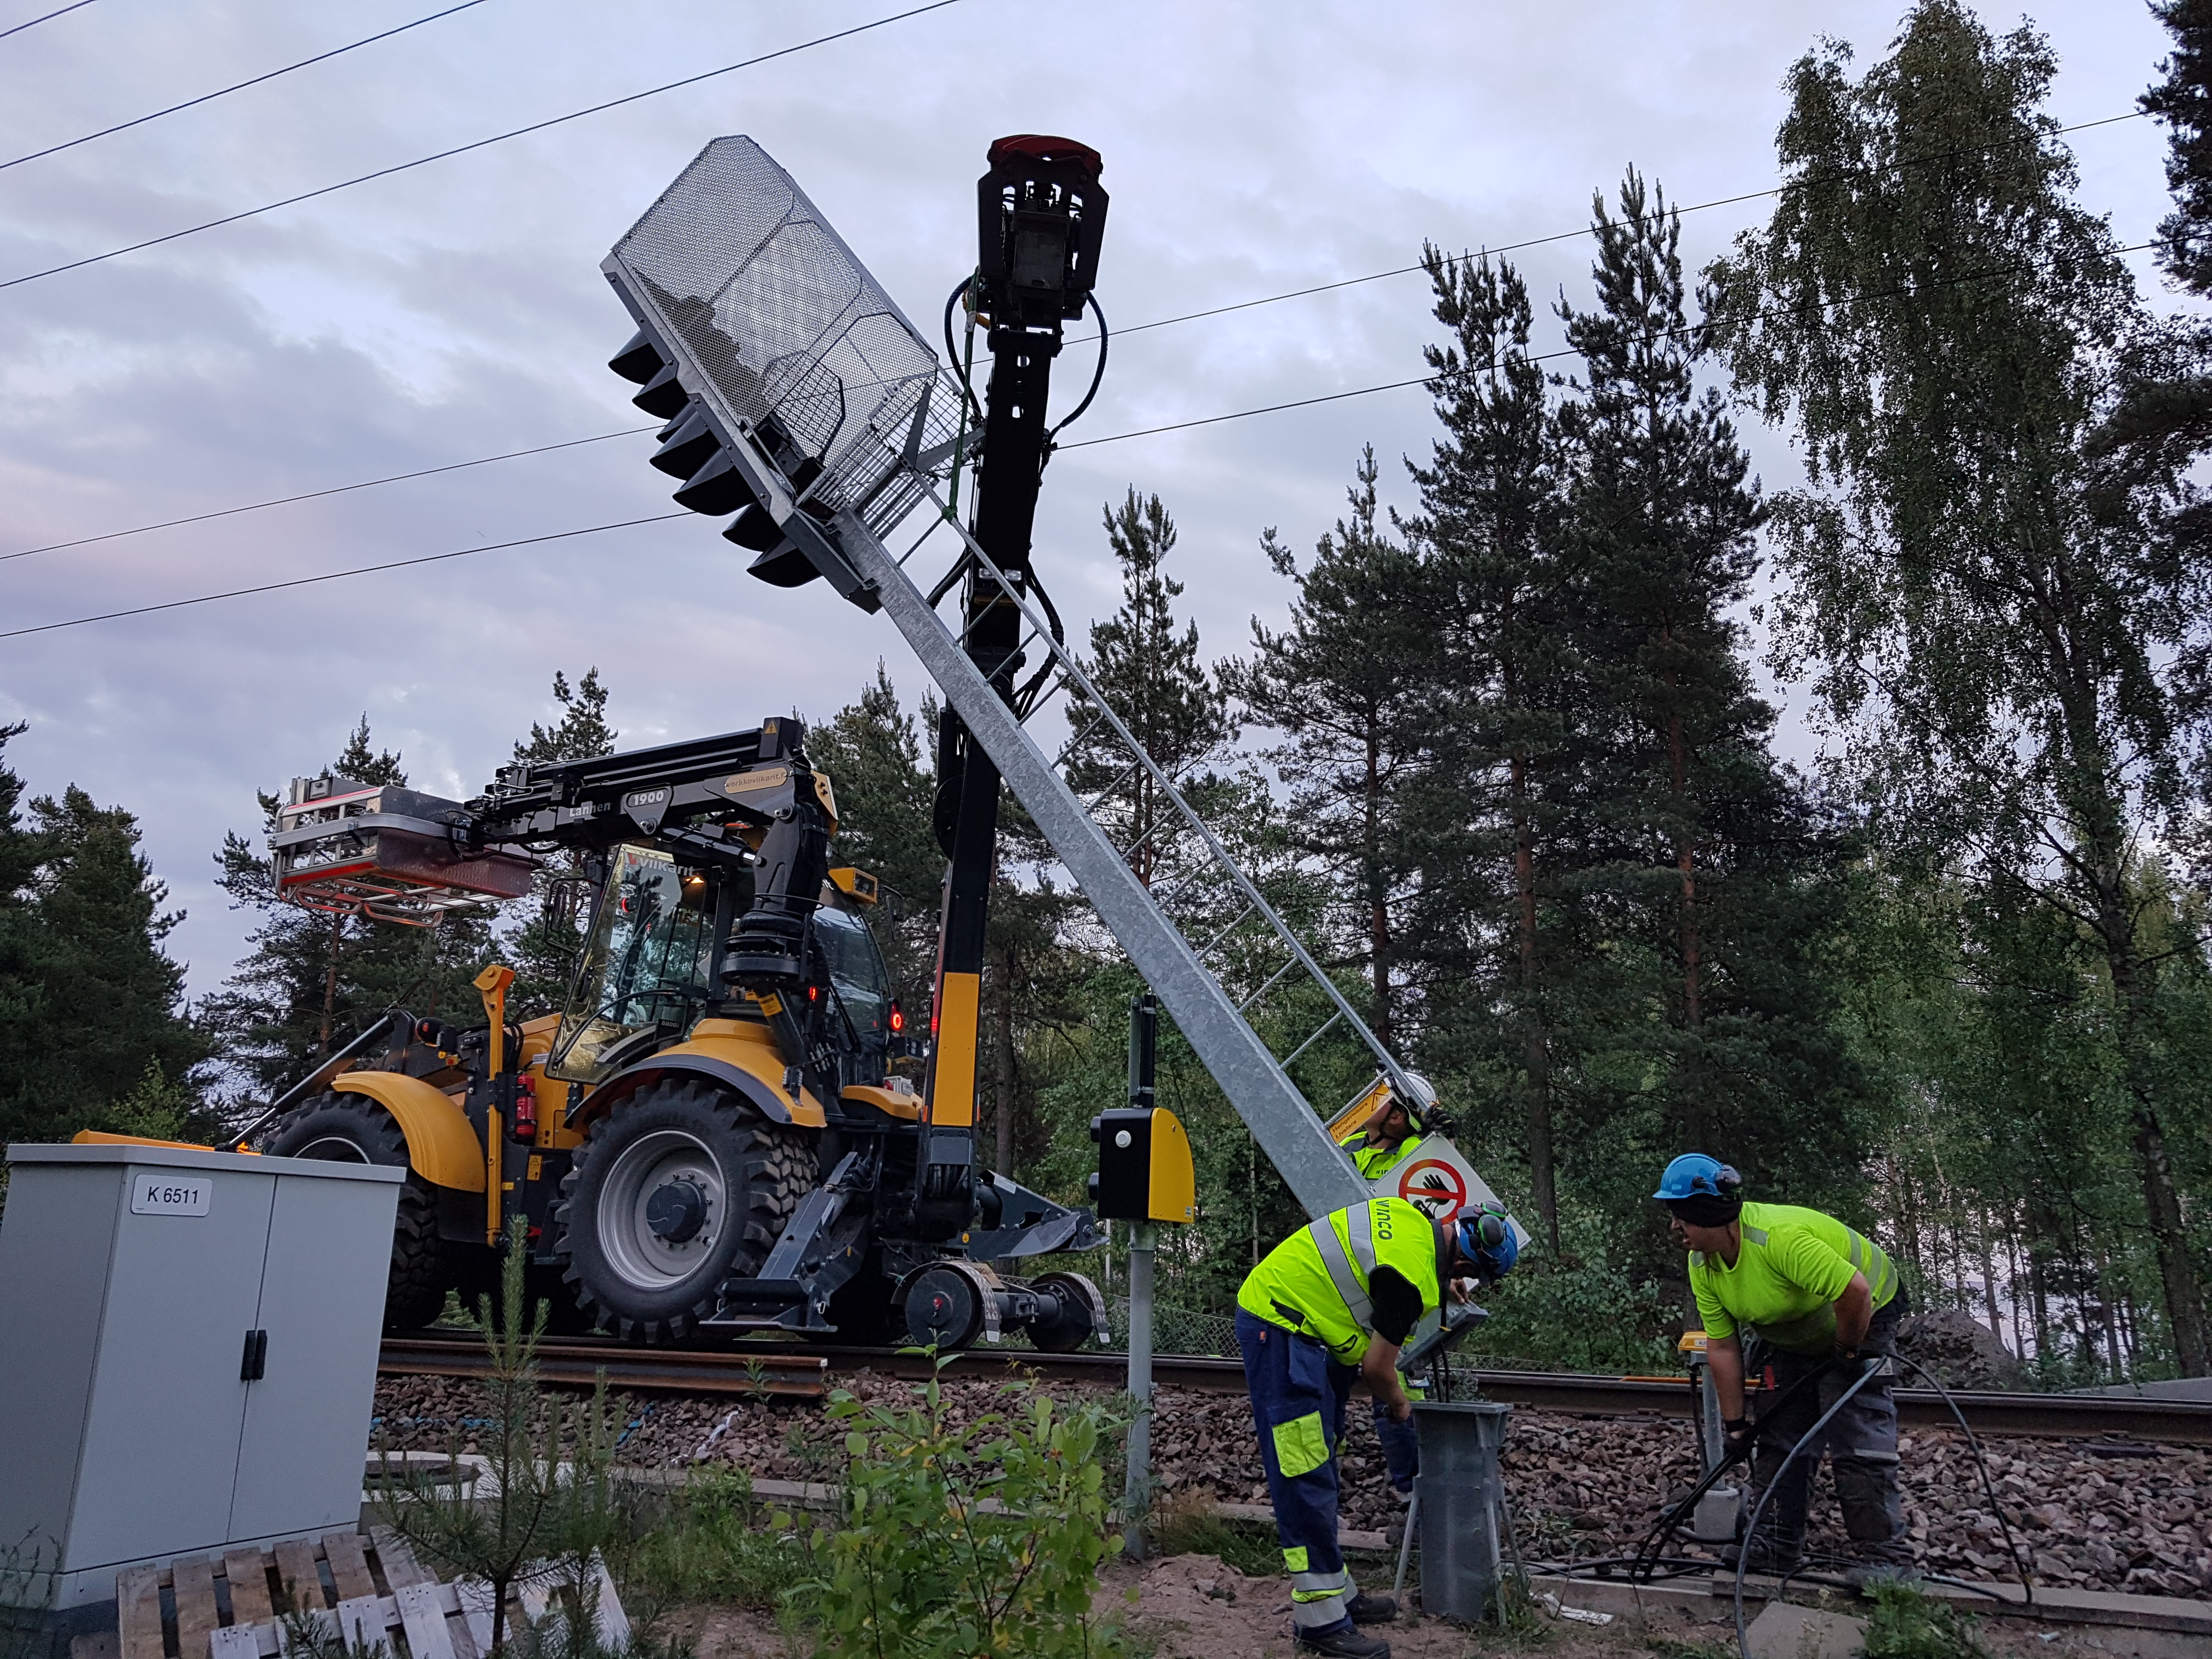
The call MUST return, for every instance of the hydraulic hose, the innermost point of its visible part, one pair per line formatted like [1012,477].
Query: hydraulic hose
[1981,1466]
[1098,374]
[1670,1520]
[1867,1374]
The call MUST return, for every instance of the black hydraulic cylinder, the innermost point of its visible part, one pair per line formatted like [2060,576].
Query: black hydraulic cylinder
[1042,213]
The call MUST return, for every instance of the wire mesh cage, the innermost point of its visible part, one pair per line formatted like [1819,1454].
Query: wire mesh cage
[790,331]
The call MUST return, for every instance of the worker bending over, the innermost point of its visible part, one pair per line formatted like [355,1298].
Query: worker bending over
[1815,1296]
[1333,1302]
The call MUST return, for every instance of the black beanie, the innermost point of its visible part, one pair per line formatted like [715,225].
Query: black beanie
[1706,1209]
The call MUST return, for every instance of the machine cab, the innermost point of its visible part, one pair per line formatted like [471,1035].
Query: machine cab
[649,970]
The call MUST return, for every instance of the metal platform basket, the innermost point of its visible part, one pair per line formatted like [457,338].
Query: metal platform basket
[790,331]
[387,852]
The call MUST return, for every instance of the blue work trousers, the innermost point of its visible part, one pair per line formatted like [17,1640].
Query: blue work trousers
[1299,1395]
[1402,1446]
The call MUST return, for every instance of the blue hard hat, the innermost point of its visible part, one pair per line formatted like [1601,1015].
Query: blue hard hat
[1487,1241]
[1695,1175]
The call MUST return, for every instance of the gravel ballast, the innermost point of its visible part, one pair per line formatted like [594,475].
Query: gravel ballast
[1580,1488]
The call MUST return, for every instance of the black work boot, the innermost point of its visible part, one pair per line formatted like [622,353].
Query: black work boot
[1372,1609]
[1346,1641]
[1764,1556]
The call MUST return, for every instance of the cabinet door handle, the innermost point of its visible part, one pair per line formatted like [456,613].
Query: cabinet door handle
[253,1365]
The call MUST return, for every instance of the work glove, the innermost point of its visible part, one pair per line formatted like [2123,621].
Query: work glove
[1736,1436]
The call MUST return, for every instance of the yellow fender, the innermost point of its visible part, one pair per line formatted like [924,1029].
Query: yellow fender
[740,1055]
[441,1146]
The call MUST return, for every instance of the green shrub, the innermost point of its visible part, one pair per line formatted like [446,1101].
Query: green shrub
[950,1541]
[712,1543]
[1588,1316]
[1908,1623]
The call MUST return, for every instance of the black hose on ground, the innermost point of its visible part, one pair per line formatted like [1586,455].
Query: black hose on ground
[1750,1535]
[1989,1487]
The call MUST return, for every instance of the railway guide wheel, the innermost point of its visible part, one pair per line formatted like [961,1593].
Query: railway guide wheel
[946,1305]
[342,1128]
[679,1188]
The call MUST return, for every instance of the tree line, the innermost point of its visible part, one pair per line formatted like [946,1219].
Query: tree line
[1507,763]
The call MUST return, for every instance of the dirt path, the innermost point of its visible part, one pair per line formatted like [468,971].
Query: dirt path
[1193,1607]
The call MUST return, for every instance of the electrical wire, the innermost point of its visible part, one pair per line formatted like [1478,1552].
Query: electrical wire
[335,489]
[206,97]
[1208,421]
[480,143]
[79,6]
[1468,370]
[1585,230]
[954,357]
[337,576]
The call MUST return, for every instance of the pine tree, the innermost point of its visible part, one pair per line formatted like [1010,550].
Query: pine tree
[1352,683]
[1151,675]
[540,942]
[312,980]
[1502,727]
[1716,881]
[90,1011]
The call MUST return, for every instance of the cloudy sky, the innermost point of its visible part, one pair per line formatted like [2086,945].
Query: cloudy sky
[456,311]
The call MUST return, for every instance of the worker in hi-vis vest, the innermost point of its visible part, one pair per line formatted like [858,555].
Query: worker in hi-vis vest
[1393,1130]
[1795,1293]
[1333,1302]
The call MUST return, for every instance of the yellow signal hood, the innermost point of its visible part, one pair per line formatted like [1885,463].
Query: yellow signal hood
[856,883]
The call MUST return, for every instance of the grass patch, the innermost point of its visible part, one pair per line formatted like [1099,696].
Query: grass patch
[1908,1623]
[1190,1525]
[1673,1647]
[712,1543]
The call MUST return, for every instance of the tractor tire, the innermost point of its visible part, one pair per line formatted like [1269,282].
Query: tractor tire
[348,1128]
[681,1187]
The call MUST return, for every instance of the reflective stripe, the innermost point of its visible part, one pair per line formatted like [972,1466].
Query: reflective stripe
[1319,1599]
[1360,1225]
[1320,1615]
[1858,1254]
[1351,1286]
[1755,1234]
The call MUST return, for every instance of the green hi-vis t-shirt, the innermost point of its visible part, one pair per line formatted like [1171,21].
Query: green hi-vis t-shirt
[1793,1265]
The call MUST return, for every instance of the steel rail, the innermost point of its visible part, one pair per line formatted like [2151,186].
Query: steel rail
[808,1370]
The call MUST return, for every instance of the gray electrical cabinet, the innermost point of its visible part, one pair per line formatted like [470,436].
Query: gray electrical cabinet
[188,1345]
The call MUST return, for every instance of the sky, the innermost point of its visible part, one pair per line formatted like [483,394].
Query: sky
[456,311]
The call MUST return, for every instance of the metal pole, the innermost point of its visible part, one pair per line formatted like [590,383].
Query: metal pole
[1137,1490]
[1137,1501]
[1709,1411]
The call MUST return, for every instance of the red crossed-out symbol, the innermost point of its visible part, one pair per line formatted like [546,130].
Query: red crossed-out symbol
[1437,1186]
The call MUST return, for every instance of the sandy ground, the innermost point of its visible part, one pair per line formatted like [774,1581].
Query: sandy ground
[1193,1606]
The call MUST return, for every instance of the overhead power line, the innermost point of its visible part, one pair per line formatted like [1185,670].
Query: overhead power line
[339,575]
[1124,331]
[1134,328]
[480,143]
[48,18]
[1564,351]
[1145,432]
[205,97]
[335,489]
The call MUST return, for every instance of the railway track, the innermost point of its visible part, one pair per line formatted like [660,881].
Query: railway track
[804,1370]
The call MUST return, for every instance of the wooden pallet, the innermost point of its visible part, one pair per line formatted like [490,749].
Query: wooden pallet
[371,1591]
